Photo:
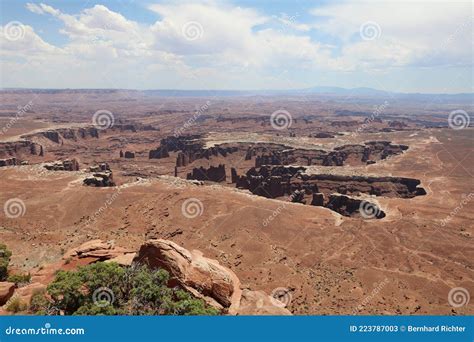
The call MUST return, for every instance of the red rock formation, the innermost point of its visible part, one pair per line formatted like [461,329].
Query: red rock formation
[102,176]
[278,181]
[18,149]
[8,162]
[63,165]
[206,279]
[213,174]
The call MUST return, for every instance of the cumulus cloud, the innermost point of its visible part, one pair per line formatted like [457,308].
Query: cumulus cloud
[218,41]
[410,33]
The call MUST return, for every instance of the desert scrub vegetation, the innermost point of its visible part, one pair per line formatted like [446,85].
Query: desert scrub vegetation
[19,279]
[15,305]
[110,289]
[5,255]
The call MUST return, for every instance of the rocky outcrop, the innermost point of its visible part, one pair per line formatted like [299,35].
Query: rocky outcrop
[58,135]
[330,191]
[213,174]
[233,175]
[63,165]
[101,251]
[318,199]
[19,149]
[201,276]
[278,154]
[100,179]
[206,279]
[276,181]
[160,152]
[8,162]
[133,127]
[6,291]
[88,132]
[324,135]
[348,206]
[52,135]
[102,176]
[129,155]
[99,167]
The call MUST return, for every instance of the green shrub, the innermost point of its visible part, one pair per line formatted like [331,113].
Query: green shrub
[19,279]
[109,289]
[5,255]
[16,305]
[38,302]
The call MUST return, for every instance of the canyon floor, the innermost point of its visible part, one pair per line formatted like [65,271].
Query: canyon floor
[199,177]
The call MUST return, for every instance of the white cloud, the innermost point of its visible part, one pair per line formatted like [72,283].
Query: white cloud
[240,45]
[411,33]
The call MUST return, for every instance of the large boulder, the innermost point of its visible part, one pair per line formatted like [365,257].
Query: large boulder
[99,250]
[203,277]
[207,279]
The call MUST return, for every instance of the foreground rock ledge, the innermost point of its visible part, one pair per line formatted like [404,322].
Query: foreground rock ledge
[203,277]
[206,279]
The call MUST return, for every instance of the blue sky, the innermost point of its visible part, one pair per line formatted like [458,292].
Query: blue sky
[423,46]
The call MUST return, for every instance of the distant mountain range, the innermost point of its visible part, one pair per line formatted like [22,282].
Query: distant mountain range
[323,91]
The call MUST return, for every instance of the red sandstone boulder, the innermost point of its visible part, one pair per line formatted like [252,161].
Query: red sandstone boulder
[203,277]
[207,279]
[97,249]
